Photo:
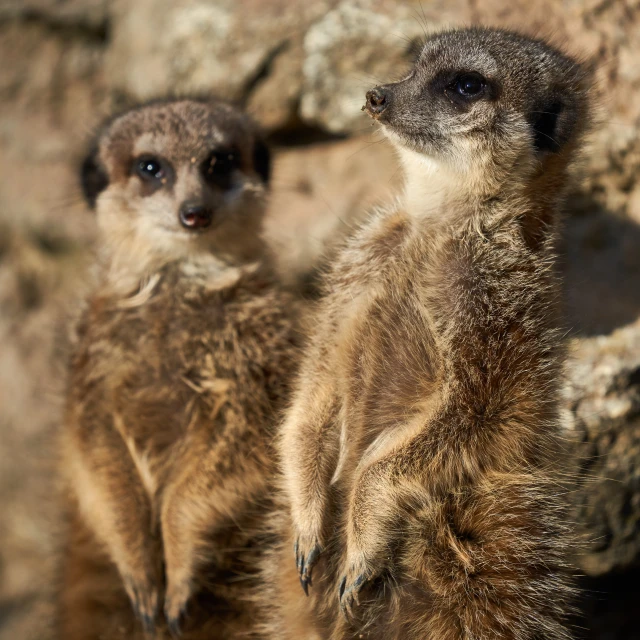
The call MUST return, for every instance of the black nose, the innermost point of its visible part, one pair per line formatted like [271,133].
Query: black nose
[195,216]
[377,101]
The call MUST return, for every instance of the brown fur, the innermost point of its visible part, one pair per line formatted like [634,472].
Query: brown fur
[174,388]
[418,453]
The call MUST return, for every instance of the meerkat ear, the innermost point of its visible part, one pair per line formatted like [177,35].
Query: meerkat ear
[544,122]
[262,159]
[93,177]
[553,123]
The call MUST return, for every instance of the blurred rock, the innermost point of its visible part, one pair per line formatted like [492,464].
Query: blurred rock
[320,192]
[52,94]
[228,47]
[604,396]
[301,67]
[87,14]
[344,52]
[601,268]
[360,44]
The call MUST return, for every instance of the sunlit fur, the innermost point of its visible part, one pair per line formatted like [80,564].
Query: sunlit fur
[419,450]
[174,387]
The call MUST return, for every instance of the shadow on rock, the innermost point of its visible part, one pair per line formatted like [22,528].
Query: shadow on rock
[610,606]
[601,268]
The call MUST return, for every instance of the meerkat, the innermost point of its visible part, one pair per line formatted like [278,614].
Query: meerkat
[418,451]
[176,379]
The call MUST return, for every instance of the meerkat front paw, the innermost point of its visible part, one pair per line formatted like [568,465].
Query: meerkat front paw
[175,602]
[144,599]
[307,517]
[357,574]
[307,550]
[373,518]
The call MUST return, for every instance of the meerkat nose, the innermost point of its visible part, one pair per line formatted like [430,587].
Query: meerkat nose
[195,216]
[376,101]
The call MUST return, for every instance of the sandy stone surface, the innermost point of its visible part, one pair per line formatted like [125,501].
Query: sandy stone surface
[301,67]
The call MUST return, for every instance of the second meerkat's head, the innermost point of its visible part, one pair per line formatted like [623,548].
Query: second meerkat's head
[483,102]
[169,179]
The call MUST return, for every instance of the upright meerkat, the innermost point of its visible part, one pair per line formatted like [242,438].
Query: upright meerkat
[418,451]
[175,382]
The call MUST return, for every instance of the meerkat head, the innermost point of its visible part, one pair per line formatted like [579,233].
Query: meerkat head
[480,104]
[172,179]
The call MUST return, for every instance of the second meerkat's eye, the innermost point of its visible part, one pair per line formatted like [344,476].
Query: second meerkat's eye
[149,168]
[469,85]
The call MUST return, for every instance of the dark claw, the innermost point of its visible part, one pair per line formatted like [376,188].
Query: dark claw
[307,567]
[347,596]
[343,584]
[359,581]
[345,606]
[174,627]
[173,623]
[304,567]
[146,619]
[148,624]
[312,558]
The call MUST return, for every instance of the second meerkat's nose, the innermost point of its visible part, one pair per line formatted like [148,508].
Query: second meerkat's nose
[195,216]
[377,101]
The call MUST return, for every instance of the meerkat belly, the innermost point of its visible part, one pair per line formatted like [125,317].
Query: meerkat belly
[390,371]
[156,382]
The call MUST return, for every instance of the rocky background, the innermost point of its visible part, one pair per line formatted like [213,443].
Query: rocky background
[302,67]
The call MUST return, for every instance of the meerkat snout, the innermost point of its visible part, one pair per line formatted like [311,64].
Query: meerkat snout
[195,216]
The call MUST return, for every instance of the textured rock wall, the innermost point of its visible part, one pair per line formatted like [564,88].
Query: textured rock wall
[301,67]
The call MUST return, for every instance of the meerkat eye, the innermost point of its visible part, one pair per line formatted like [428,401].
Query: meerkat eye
[469,85]
[149,168]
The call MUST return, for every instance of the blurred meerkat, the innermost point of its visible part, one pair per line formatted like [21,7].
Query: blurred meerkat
[418,453]
[175,382]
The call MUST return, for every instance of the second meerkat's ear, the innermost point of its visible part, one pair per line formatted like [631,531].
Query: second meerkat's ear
[262,159]
[93,177]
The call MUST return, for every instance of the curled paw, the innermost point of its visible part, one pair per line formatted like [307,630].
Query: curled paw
[306,555]
[144,599]
[175,606]
[356,577]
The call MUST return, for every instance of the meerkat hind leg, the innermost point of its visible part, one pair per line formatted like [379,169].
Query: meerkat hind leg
[115,504]
[194,506]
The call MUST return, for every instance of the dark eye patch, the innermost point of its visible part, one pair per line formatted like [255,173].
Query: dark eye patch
[217,169]
[262,160]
